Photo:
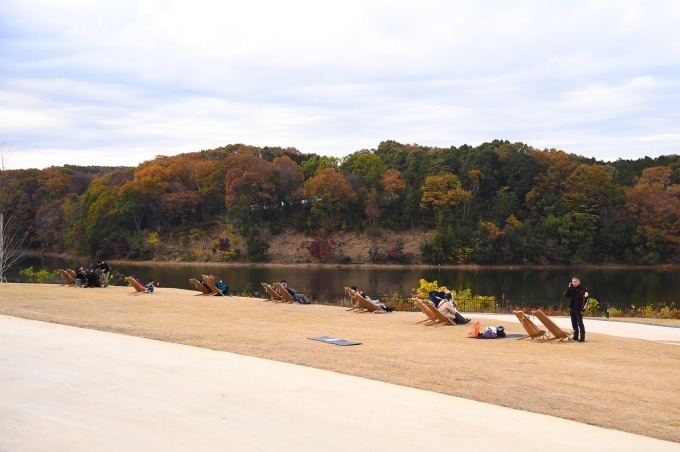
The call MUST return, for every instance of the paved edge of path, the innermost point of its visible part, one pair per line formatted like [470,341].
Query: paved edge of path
[67,388]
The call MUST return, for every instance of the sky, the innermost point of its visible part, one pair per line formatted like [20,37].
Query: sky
[97,82]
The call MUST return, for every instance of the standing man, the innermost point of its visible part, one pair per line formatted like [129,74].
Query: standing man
[578,296]
[105,270]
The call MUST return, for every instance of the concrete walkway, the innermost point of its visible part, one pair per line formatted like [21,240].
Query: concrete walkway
[72,389]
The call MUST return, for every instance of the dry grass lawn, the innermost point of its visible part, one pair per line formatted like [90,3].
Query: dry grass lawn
[623,384]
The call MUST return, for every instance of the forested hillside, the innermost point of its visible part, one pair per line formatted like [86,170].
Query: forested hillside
[498,203]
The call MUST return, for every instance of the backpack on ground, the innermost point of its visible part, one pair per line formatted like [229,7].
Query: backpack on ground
[490,332]
[500,331]
[474,333]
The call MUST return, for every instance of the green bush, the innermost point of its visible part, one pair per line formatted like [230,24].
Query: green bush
[41,276]
[593,307]
[467,301]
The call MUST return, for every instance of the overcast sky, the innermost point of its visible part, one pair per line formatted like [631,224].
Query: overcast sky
[119,82]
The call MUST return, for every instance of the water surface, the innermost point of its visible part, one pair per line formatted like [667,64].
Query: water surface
[521,286]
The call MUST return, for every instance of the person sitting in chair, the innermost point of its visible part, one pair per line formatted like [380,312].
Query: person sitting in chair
[382,306]
[448,308]
[80,277]
[151,285]
[437,297]
[222,287]
[300,298]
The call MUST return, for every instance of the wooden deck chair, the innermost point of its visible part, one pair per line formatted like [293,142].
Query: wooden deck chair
[533,331]
[201,288]
[351,293]
[557,332]
[429,316]
[272,293]
[135,285]
[72,274]
[68,281]
[285,295]
[366,306]
[441,318]
[210,281]
[435,315]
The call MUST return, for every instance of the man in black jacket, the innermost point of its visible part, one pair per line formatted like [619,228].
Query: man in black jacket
[579,301]
[105,270]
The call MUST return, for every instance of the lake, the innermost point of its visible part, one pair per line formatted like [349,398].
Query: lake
[621,287]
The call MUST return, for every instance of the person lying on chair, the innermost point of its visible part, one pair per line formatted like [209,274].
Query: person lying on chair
[382,306]
[300,298]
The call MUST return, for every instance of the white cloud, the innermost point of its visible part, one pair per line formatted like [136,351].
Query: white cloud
[133,79]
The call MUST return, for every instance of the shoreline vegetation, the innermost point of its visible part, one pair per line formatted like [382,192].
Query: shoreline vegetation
[496,204]
[66,256]
[607,381]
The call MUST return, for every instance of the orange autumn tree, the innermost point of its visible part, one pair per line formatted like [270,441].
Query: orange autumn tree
[655,202]
[394,183]
[329,191]
[250,179]
[443,192]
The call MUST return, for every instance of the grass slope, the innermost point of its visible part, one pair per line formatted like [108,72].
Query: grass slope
[617,383]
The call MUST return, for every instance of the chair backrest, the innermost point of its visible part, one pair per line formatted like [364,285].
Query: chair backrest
[532,330]
[272,293]
[434,314]
[210,281]
[555,330]
[135,284]
[519,315]
[425,308]
[67,277]
[365,304]
[199,286]
[285,295]
[355,306]
[441,318]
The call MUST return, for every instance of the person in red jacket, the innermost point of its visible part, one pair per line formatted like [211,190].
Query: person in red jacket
[578,303]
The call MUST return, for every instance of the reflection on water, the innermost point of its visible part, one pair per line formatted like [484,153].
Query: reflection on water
[519,285]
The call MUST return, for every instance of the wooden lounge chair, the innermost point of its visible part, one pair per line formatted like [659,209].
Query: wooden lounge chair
[135,285]
[366,306]
[210,281]
[435,315]
[350,292]
[204,290]
[557,332]
[68,281]
[429,317]
[533,331]
[272,293]
[285,295]
[72,275]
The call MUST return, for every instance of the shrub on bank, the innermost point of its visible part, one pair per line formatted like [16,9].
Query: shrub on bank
[41,276]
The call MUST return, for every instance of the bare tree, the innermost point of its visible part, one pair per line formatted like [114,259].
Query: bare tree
[12,234]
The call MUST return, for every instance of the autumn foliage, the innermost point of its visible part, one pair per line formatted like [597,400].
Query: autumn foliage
[495,203]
